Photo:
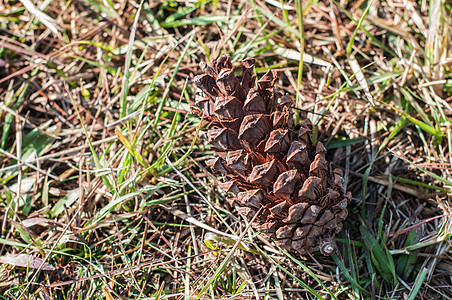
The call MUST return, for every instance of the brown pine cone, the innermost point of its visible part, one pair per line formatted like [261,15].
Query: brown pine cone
[270,164]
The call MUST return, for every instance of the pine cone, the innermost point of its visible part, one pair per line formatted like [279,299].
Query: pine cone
[270,164]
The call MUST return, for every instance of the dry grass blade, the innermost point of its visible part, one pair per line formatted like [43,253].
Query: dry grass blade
[41,16]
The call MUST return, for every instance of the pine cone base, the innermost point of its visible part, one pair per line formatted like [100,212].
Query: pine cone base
[269,163]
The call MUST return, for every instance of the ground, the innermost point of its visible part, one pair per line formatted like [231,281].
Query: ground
[105,193]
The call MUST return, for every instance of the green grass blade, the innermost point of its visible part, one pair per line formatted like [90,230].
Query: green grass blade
[131,149]
[380,256]
[66,201]
[98,7]
[223,264]
[360,22]
[427,128]
[279,22]
[125,81]
[418,283]
[347,275]
[374,39]
[307,270]
[433,175]
[165,94]
[105,179]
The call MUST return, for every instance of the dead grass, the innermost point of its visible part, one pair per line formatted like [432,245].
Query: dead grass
[104,189]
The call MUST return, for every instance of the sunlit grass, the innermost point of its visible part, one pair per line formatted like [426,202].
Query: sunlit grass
[103,165]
